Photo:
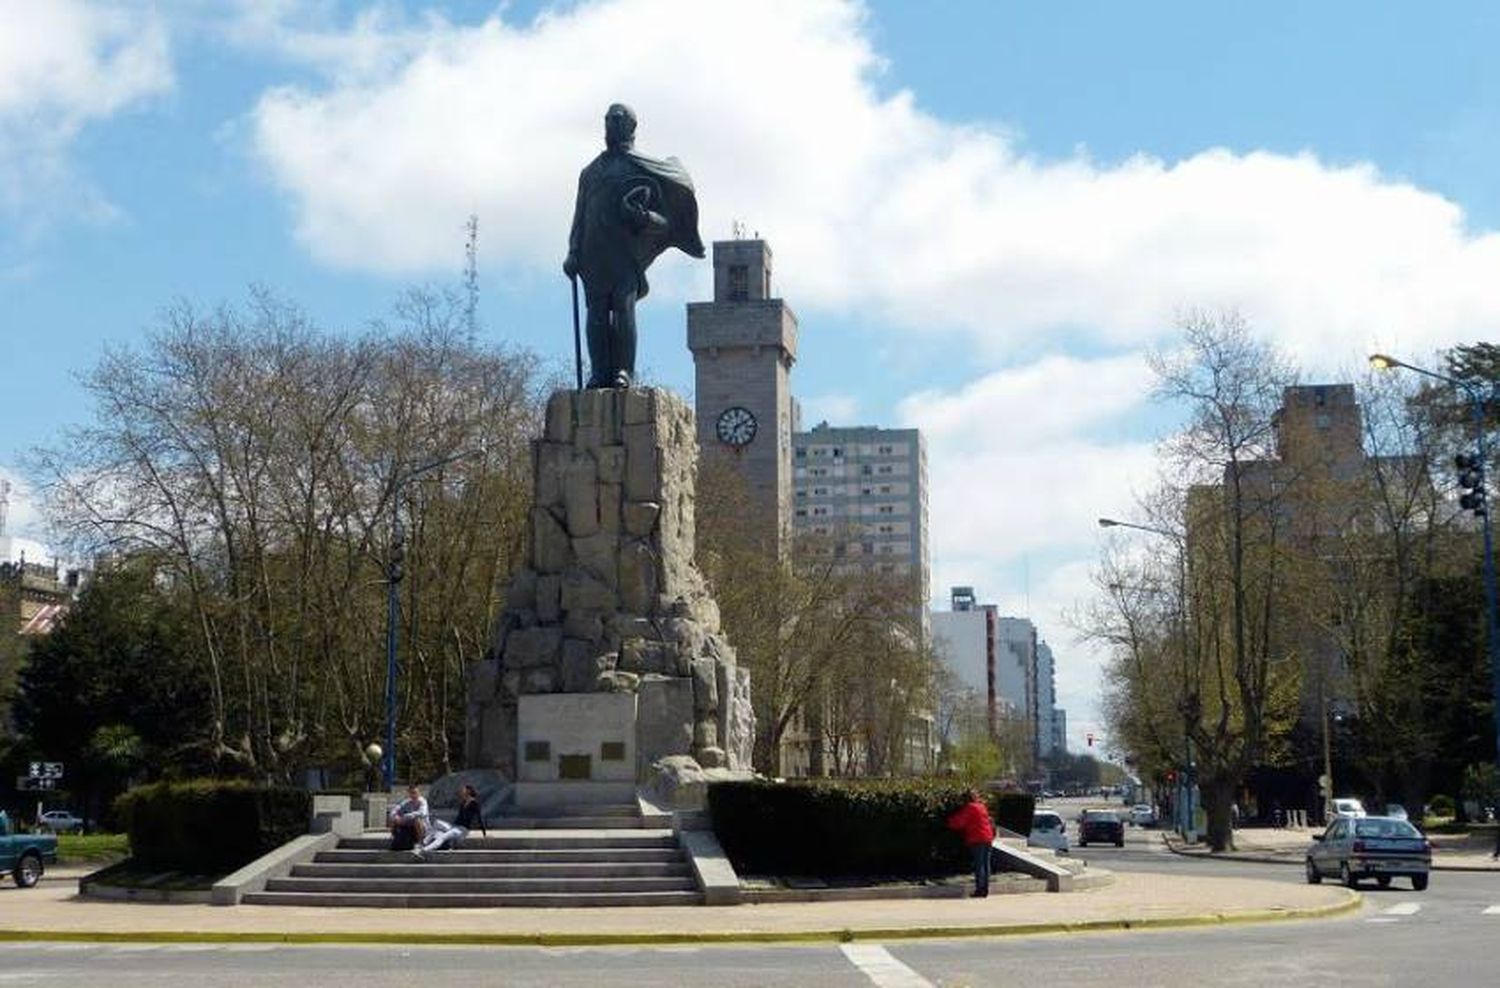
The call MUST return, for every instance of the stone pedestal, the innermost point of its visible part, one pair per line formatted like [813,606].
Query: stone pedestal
[610,602]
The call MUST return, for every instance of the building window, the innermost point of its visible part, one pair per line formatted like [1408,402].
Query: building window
[801,512]
[820,492]
[866,470]
[884,450]
[801,453]
[837,451]
[739,283]
[886,468]
[887,509]
[820,511]
[884,489]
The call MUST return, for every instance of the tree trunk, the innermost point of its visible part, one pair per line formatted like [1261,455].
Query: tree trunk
[1218,797]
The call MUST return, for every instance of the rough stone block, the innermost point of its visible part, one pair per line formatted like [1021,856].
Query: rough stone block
[599,555]
[549,461]
[639,406]
[637,577]
[582,662]
[609,507]
[642,463]
[705,735]
[522,594]
[587,437]
[640,517]
[526,648]
[580,490]
[611,460]
[550,551]
[549,598]
[643,655]
[560,417]
[535,681]
[705,688]
[617,682]
[664,725]
[712,756]
[580,591]
[586,625]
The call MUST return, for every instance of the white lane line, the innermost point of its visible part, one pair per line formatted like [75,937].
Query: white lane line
[883,970]
[1404,909]
[1492,911]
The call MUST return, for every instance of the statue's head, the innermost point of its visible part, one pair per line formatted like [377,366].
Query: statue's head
[619,127]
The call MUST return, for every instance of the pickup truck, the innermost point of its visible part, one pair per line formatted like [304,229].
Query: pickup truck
[25,855]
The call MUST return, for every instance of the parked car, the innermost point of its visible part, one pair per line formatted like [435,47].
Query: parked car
[1101,827]
[1348,806]
[1143,815]
[1048,830]
[25,856]
[61,822]
[1378,847]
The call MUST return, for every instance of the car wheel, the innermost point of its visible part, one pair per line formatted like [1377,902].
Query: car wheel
[1346,876]
[28,871]
[1083,843]
[1120,842]
[1314,877]
[1384,881]
[1419,882]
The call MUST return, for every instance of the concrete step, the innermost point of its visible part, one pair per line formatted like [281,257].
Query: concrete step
[442,868]
[479,886]
[535,840]
[578,809]
[545,900]
[534,856]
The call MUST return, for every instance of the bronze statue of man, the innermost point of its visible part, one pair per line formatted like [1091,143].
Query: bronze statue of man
[630,208]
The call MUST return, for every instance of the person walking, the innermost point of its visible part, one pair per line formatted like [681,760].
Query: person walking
[972,821]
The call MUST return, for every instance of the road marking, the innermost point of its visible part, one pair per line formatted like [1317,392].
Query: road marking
[881,968]
[1404,909]
[1492,911]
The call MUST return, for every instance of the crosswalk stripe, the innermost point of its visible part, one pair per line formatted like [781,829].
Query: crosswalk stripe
[883,970]
[1404,909]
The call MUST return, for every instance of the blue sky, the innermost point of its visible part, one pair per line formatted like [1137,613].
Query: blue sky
[984,213]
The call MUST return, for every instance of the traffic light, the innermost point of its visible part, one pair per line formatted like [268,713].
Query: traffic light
[1089,738]
[1471,479]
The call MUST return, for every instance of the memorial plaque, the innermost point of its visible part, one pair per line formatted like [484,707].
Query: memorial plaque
[574,766]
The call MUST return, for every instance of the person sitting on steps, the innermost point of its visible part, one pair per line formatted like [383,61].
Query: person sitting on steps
[408,820]
[451,835]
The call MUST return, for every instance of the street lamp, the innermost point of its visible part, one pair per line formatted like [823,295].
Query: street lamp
[1477,403]
[1185,822]
[393,576]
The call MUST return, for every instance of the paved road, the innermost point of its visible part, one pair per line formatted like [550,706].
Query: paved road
[1438,937]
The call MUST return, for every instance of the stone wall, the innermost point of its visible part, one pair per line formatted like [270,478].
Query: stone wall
[610,599]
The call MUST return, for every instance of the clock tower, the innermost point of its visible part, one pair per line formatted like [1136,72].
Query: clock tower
[744,343]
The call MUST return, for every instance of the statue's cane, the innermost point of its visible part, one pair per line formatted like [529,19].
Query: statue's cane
[577,338]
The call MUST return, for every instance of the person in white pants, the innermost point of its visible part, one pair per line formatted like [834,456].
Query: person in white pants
[450,835]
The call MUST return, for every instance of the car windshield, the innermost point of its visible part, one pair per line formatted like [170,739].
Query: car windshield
[1045,821]
[1376,827]
[1105,816]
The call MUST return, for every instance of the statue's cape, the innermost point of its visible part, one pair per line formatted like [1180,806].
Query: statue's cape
[677,202]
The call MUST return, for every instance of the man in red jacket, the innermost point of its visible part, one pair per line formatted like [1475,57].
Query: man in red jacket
[972,821]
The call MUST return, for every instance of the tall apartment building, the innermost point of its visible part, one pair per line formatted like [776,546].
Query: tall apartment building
[1059,731]
[965,639]
[866,487]
[744,344]
[1046,699]
[1016,672]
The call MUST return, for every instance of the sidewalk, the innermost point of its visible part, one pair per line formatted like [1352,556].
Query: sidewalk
[1288,845]
[52,911]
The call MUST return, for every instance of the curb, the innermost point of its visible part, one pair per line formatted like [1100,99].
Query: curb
[1352,901]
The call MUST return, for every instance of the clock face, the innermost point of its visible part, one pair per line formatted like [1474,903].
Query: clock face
[736,426]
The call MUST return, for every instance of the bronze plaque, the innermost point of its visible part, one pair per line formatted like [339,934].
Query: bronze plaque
[574,766]
[612,751]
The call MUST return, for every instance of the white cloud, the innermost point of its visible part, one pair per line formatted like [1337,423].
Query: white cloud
[64,64]
[872,203]
[835,409]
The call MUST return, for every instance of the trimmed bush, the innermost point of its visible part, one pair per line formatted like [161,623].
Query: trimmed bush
[209,826]
[831,828]
[1442,805]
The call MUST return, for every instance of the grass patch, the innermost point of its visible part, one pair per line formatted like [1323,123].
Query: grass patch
[91,848]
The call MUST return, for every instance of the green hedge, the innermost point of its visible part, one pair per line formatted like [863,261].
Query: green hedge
[209,826]
[833,828]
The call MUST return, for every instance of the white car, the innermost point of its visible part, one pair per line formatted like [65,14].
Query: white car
[1348,806]
[1048,830]
[60,822]
[1143,815]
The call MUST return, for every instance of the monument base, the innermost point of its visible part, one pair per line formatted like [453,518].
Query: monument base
[556,795]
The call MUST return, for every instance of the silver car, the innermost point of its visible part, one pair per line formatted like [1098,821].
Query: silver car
[1378,847]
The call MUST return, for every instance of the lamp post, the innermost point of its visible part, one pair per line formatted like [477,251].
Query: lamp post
[1185,800]
[393,575]
[1477,403]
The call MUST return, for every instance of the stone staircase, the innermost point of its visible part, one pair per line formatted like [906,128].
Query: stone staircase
[573,856]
